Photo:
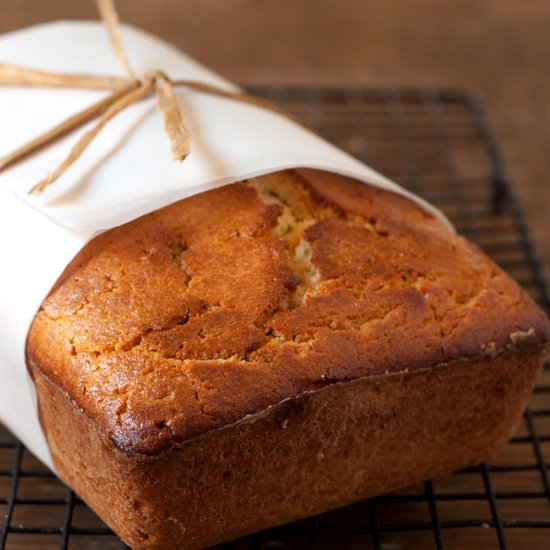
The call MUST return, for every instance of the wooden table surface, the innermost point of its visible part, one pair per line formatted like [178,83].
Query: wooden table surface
[498,49]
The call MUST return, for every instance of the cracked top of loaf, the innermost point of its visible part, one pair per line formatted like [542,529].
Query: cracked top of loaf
[220,305]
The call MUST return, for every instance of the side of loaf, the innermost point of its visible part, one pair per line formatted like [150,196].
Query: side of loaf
[273,349]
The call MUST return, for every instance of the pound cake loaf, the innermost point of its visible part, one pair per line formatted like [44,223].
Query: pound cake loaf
[273,349]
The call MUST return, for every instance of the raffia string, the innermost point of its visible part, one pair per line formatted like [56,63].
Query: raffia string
[124,92]
[110,18]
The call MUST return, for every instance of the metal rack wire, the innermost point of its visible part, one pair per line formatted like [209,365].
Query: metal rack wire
[438,144]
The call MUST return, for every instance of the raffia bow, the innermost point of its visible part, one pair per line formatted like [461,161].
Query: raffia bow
[124,92]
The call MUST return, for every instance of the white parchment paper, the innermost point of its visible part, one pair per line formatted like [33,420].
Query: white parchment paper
[126,172]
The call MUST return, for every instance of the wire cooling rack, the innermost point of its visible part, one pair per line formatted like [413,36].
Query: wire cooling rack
[438,144]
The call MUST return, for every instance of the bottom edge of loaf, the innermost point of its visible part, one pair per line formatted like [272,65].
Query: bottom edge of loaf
[322,450]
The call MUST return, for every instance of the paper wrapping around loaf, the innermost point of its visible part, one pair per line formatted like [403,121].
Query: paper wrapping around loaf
[125,173]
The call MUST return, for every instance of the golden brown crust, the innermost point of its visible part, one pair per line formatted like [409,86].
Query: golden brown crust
[219,306]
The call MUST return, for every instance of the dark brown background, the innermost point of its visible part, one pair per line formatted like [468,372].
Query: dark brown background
[499,49]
